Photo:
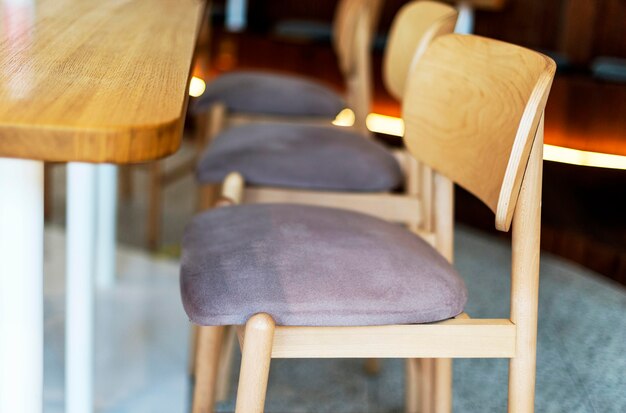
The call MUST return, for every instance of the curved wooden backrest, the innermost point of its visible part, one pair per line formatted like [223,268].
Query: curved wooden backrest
[471,111]
[345,23]
[415,26]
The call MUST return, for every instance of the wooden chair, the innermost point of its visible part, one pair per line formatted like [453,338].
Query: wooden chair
[243,96]
[226,101]
[415,26]
[474,112]
[413,29]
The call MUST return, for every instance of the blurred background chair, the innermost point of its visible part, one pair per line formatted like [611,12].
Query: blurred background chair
[326,165]
[245,96]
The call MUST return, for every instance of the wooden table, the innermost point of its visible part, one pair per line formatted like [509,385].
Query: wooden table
[83,82]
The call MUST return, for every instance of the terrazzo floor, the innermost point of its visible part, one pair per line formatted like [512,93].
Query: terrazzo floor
[142,335]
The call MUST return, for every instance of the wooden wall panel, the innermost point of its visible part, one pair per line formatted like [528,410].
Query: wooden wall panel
[582,29]
[610,30]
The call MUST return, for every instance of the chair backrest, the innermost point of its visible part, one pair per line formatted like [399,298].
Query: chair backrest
[415,26]
[354,28]
[346,20]
[471,110]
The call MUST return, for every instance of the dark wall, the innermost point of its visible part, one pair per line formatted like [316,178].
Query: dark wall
[581,29]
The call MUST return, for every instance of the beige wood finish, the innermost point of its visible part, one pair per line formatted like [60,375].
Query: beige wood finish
[414,28]
[442,383]
[490,169]
[222,387]
[96,81]
[443,221]
[354,27]
[346,20]
[427,388]
[525,281]
[513,338]
[209,342]
[371,367]
[429,384]
[392,207]
[479,338]
[255,364]
[412,383]
[359,81]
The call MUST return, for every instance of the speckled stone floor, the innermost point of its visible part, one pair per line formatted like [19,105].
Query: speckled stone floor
[142,342]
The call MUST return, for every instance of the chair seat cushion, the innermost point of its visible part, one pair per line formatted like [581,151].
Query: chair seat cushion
[271,94]
[300,156]
[312,266]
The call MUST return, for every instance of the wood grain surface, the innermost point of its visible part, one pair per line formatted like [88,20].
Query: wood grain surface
[95,81]
[471,111]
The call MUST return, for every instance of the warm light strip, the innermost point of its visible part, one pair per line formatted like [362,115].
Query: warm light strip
[391,125]
[196,87]
[583,158]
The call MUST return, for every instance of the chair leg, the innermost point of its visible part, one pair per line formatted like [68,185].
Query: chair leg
[154,206]
[209,342]
[225,358]
[372,366]
[522,383]
[255,364]
[217,121]
[209,125]
[412,383]
[442,386]
[522,379]
[207,196]
[226,364]
[427,385]
[193,350]
[126,183]
[525,283]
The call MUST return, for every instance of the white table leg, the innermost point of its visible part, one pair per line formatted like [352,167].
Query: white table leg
[465,21]
[81,227]
[21,285]
[106,225]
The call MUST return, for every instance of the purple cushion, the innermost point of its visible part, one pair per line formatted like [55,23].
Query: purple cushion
[300,156]
[312,266]
[271,94]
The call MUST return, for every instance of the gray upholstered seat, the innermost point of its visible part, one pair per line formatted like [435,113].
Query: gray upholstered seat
[314,266]
[271,94]
[300,156]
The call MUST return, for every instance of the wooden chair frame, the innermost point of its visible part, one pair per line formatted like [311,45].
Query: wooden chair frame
[513,338]
[516,199]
